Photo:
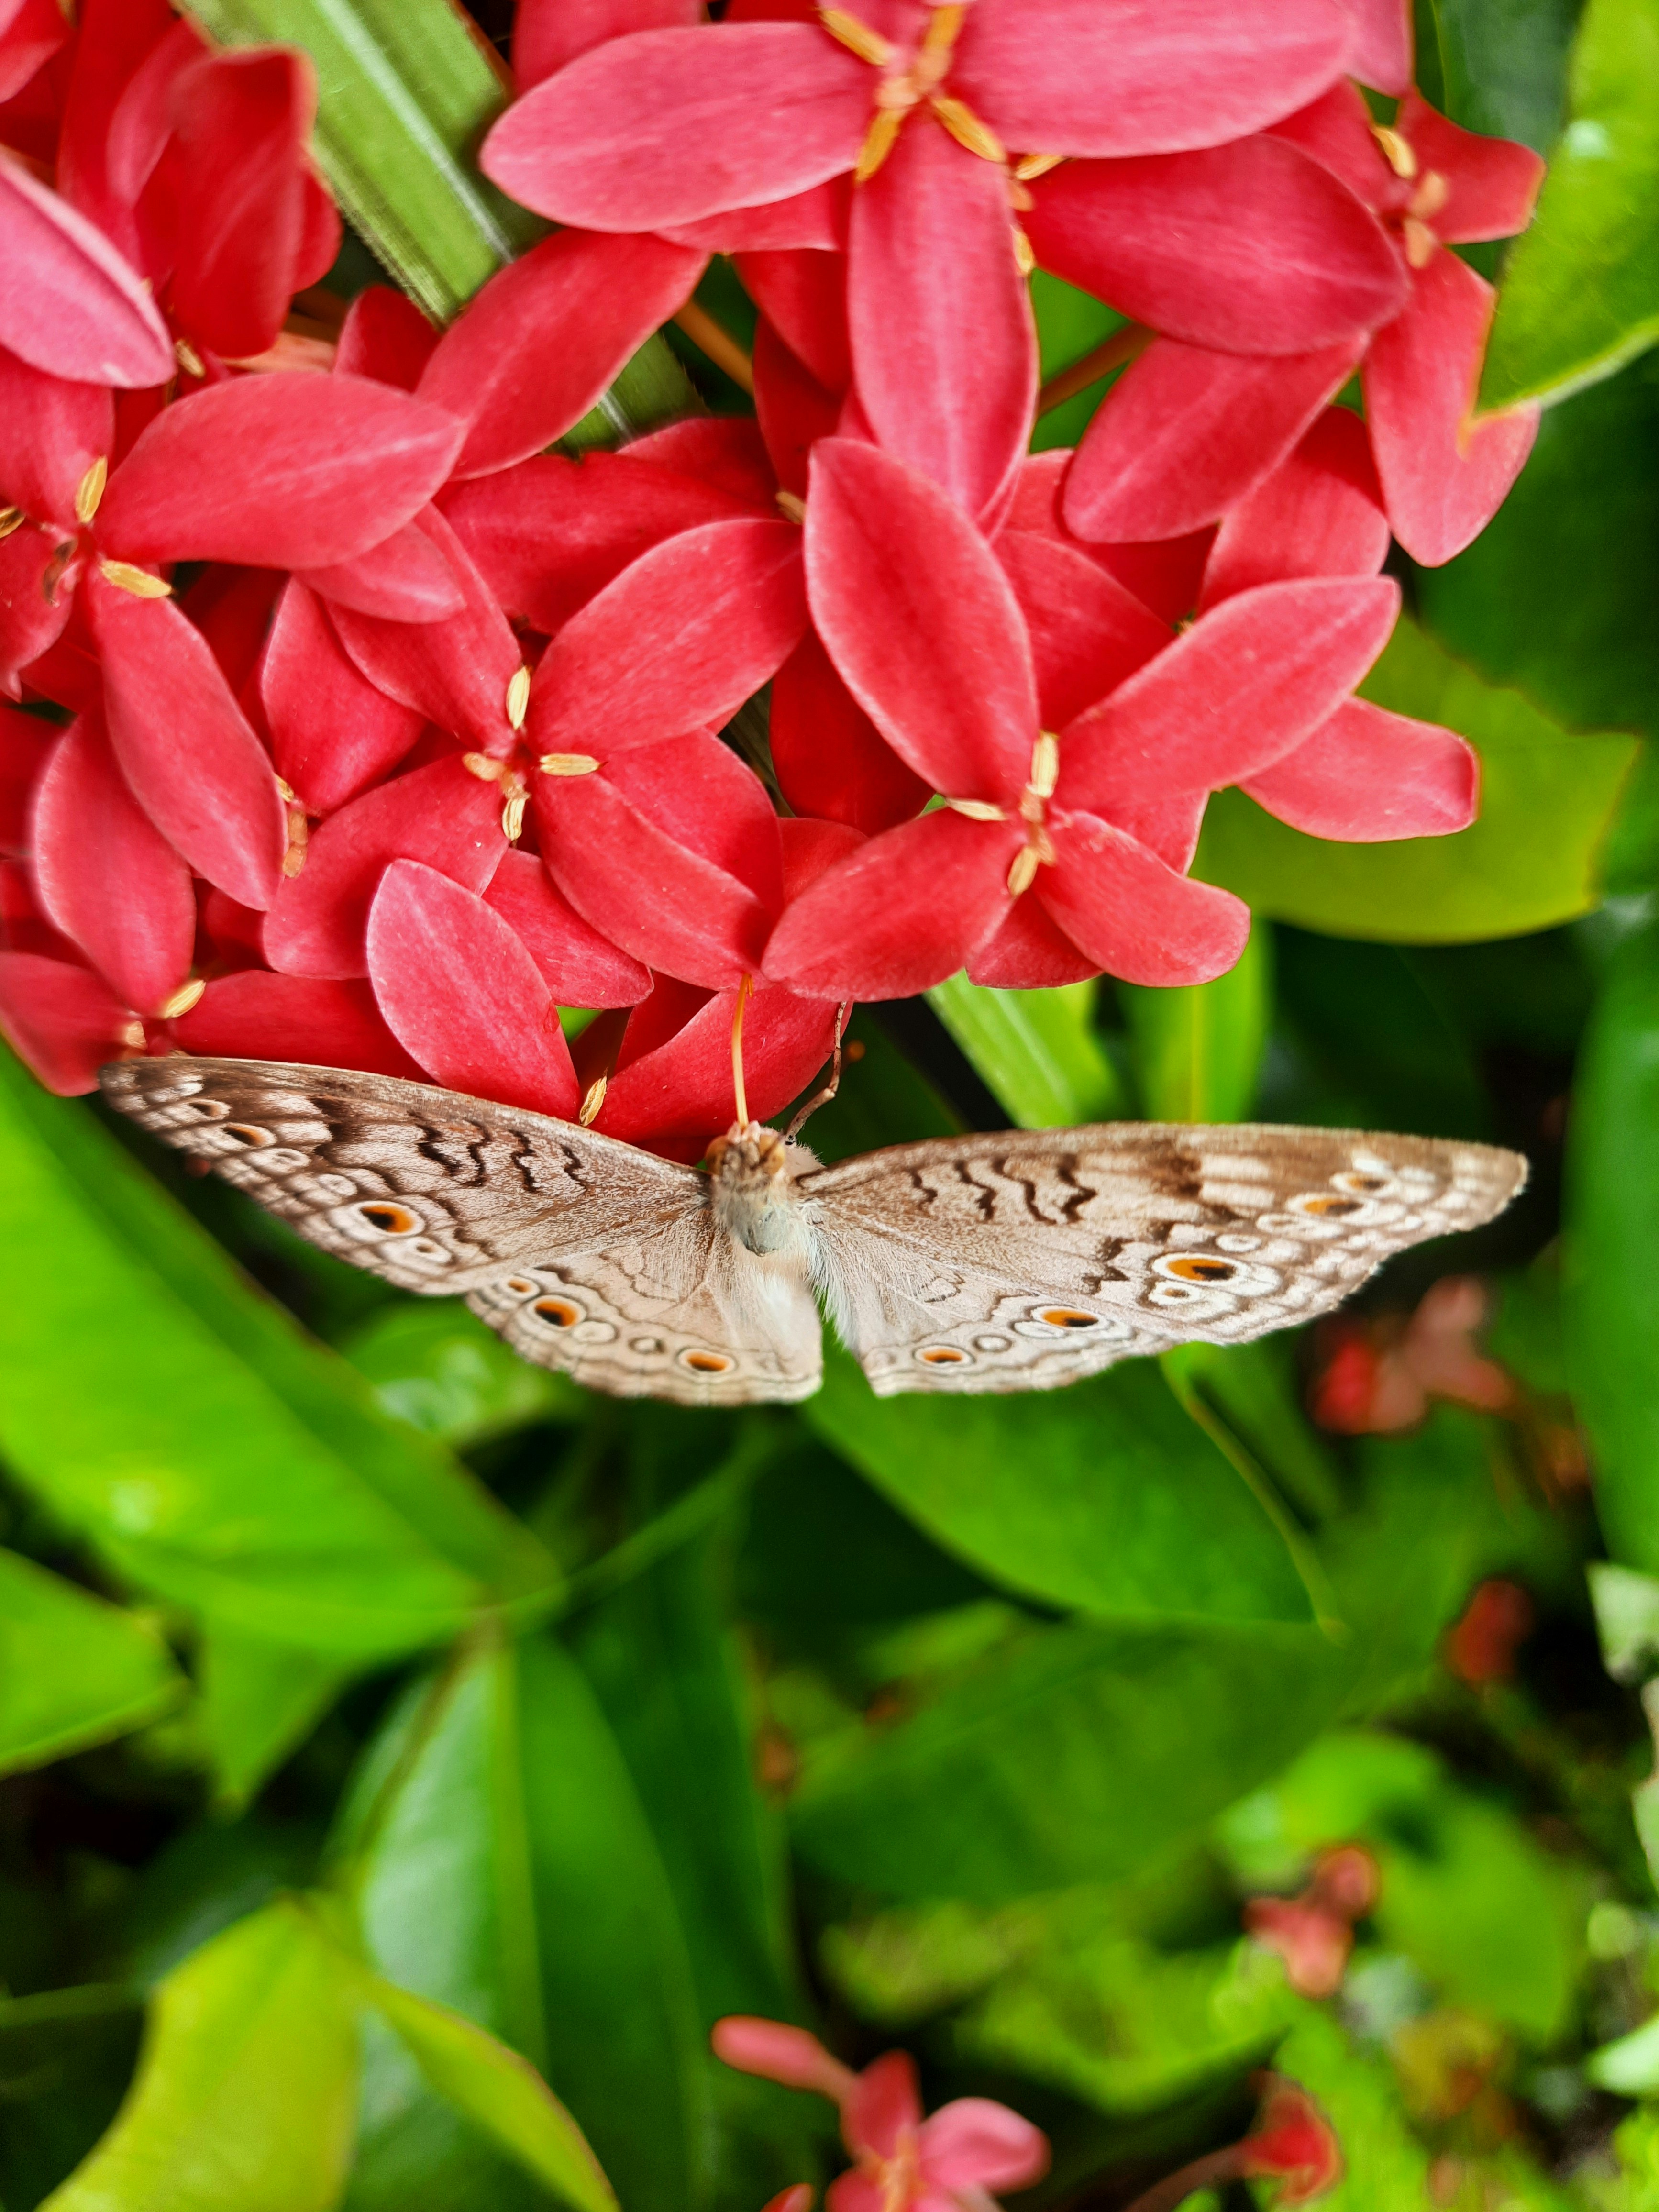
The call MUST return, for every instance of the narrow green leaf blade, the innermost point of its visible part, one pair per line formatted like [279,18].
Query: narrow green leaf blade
[1531,859]
[1581,291]
[1198,1047]
[244,2091]
[73,1671]
[1036,1050]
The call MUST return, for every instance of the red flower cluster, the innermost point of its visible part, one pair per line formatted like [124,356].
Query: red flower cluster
[423,745]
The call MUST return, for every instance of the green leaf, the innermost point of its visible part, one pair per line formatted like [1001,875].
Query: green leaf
[181,1424]
[1197,1048]
[1581,290]
[66,2056]
[503,1867]
[1503,66]
[1627,1619]
[1038,1051]
[73,1671]
[1530,859]
[1103,1497]
[1556,594]
[1385,2166]
[258,1700]
[883,1099]
[1611,1309]
[432,1363]
[244,2095]
[501,2092]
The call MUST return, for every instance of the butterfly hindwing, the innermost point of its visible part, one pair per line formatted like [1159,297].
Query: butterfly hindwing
[1022,1261]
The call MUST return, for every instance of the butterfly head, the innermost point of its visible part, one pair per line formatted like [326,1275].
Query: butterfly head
[751,1173]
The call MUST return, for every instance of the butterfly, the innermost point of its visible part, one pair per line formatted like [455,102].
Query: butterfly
[1015,1262]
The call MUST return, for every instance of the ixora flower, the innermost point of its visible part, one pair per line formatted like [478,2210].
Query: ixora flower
[1313,1933]
[905,2163]
[928,108]
[1292,2144]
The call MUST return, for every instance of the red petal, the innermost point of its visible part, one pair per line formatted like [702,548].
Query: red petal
[815,219]
[672,853]
[1088,634]
[25,741]
[534,349]
[1030,952]
[550,534]
[385,335]
[884,2106]
[803,296]
[1163,574]
[726,453]
[332,731]
[662,1016]
[50,434]
[792,407]
[975,2144]
[461,992]
[1242,687]
[286,472]
[831,760]
[439,815]
[68,303]
[904,912]
[234,609]
[258,1016]
[35,605]
[1493,182]
[185,747]
[455,672]
[240,122]
[675,1099]
[1186,432]
[811,849]
[580,967]
[320,232]
[1367,775]
[943,350]
[1380,52]
[1138,918]
[1168,825]
[1336,130]
[680,638]
[107,877]
[1444,475]
[64,1022]
[920,622]
[549,34]
[1122,76]
[35,32]
[406,577]
[1319,514]
[1253,248]
[669,126]
[100,169]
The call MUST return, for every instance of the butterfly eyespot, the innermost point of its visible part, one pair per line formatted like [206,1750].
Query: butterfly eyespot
[249,1133]
[943,1355]
[391,1220]
[1068,1317]
[520,1286]
[1360,1186]
[707,1363]
[646,1345]
[201,1110]
[1327,1209]
[561,1312]
[1198,1267]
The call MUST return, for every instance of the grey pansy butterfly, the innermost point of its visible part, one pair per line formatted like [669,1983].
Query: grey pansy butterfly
[1009,1262]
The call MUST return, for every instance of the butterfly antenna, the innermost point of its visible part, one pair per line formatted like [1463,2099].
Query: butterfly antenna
[823,1097]
[740,1094]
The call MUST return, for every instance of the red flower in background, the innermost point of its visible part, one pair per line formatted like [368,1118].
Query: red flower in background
[1292,2143]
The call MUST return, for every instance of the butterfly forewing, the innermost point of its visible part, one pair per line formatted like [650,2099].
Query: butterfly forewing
[1024,1261]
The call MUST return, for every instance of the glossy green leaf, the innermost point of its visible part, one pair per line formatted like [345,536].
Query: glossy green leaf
[257,1700]
[1038,1051]
[180,1423]
[1501,65]
[503,1867]
[1581,290]
[246,2087]
[1103,1496]
[1612,1215]
[1197,1048]
[1529,860]
[1556,595]
[66,2056]
[73,1671]
[432,1363]
[499,2090]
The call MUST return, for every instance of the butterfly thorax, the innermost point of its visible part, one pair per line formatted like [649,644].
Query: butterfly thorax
[751,1189]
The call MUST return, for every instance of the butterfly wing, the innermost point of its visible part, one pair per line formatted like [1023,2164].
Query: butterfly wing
[1024,1261]
[587,1254]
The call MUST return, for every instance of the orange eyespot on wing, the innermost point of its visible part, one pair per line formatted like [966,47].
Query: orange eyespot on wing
[1068,1317]
[1200,1267]
[707,1363]
[391,1219]
[942,1355]
[559,1312]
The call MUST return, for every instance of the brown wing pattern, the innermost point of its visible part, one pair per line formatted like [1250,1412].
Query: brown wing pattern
[1024,1260]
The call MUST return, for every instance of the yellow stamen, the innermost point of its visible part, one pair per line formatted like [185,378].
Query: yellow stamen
[740,1094]
[11,517]
[90,490]
[138,581]
[869,46]
[512,817]
[481,765]
[1025,258]
[943,28]
[181,1000]
[130,1035]
[299,833]
[878,142]
[1430,196]
[1023,874]
[1030,166]
[286,791]
[517,697]
[567,763]
[791,504]
[965,127]
[592,1099]
[187,358]
[976,810]
[1045,764]
[1397,151]
[1419,241]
